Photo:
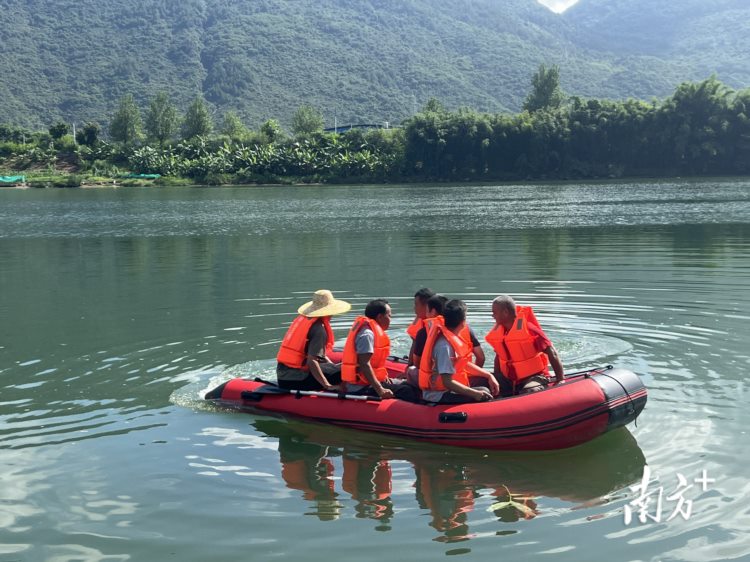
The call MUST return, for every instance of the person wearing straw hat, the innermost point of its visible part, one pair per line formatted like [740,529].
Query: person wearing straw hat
[303,362]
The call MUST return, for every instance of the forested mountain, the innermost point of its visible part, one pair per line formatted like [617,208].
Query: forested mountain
[369,60]
[699,37]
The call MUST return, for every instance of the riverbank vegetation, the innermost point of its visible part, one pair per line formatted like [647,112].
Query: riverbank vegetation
[702,129]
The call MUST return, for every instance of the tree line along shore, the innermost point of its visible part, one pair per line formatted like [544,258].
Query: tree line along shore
[702,129]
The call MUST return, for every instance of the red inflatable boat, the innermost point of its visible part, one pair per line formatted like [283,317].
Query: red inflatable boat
[587,405]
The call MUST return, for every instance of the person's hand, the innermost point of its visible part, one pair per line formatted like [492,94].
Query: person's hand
[482,396]
[558,382]
[385,393]
[494,386]
[333,388]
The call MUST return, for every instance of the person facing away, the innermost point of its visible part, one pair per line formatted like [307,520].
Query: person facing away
[303,362]
[421,298]
[523,350]
[366,351]
[435,306]
[434,313]
[446,363]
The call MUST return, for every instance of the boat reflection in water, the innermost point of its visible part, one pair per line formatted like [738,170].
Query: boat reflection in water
[447,482]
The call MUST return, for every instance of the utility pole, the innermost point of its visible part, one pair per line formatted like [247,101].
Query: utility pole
[74,134]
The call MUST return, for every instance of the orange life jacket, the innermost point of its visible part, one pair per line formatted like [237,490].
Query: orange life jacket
[414,327]
[518,357]
[365,479]
[428,379]
[314,480]
[349,371]
[465,334]
[430,322]
[447,494]
[292,352]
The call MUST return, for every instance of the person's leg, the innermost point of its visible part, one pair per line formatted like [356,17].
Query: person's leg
[308,383]
[534,383]
[360,390]
[403,390]
[506,386]
[454,398]
[332,372]
[412,376]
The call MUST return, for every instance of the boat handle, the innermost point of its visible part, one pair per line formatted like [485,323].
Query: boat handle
[453,417]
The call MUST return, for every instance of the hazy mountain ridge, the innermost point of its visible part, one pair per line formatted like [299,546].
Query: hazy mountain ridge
[367,61]
[698,35]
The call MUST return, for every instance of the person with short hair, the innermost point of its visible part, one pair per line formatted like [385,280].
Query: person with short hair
[303,362]
[365,354]
[421,297]
[446,363]
[435,307]
[523,350]
[434,314]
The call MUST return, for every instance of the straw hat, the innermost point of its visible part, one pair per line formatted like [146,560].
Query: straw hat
[323,304]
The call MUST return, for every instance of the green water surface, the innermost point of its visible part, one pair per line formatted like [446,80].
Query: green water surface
[119,306]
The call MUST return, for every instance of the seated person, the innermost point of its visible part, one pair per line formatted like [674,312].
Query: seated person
[523,349]
[303,362]
[420,312]
[435,307]
[446,364]
[366,350]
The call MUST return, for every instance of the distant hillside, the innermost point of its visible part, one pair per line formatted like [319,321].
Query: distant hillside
[371,60]
[699,37]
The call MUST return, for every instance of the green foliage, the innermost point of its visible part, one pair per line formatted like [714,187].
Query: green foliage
[272,131]
[545,90]
[307,120]
[17,134]
[59,130]
[264,58]
[703,128]
[65,144]
[434,105]
[161,119]
[197,120]
[233,127]
[88,135]
[56,180]
[126,122]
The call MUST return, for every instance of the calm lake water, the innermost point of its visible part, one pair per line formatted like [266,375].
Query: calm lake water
[118,307]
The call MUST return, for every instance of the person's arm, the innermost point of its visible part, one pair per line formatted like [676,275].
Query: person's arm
[411,355]
[557,366]
[316,354]
[479,357]
[476,349]
[477,371]
[313,363]
[543,344]
[363,363]
[458,388]
[417,349]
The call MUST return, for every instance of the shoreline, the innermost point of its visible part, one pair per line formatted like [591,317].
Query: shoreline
[180,183]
